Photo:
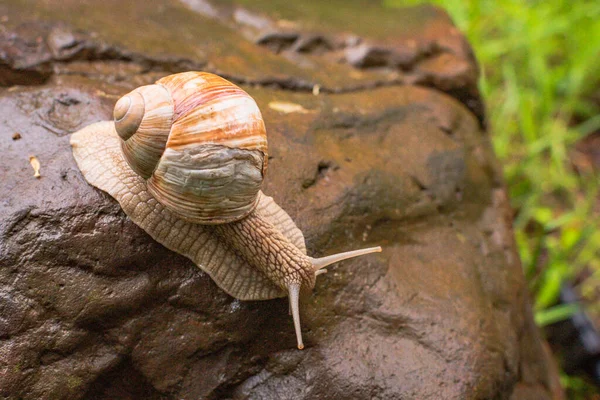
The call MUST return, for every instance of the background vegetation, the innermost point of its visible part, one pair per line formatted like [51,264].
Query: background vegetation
[540,79]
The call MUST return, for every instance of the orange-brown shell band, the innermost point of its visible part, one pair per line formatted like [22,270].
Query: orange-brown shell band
[204,97]
[244,138]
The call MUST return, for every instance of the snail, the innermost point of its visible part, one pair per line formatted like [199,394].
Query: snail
[185,158]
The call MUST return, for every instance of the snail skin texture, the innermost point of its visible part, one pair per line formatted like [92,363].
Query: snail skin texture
[185,158]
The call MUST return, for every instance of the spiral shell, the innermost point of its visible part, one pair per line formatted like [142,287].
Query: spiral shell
[199,141]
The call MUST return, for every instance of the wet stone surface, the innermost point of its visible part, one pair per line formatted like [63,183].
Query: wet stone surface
[389,150]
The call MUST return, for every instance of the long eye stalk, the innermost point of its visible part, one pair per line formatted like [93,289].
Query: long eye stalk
[322,262]
[318,265]
[294,300]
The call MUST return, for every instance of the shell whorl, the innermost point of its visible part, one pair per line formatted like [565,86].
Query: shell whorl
[144,127]
[128,114]
[199,141]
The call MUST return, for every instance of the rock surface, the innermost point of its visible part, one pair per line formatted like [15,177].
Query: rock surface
[387,148]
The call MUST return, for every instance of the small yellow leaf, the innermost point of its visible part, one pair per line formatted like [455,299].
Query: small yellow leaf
[35,164]
[286,108]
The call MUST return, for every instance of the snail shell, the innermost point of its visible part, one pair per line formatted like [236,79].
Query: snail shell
[199,141]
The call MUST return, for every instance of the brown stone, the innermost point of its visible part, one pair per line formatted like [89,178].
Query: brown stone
[92,308]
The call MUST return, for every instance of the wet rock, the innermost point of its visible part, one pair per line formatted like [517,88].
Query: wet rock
[91,307]
[277,41]
[366,56]
[314,44]
[203,7]
[245,17]
[24,57]
[61,39]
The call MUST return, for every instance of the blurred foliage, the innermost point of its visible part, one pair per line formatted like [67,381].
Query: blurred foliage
[541,81]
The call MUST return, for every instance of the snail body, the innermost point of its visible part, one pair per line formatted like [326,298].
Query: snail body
[185,159]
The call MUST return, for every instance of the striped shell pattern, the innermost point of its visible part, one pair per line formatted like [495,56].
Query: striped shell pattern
[199,141]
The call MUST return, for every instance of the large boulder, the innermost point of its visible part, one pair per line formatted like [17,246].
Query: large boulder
[376,137]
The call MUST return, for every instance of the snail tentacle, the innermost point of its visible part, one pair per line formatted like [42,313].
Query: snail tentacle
[294,293]
[319,263]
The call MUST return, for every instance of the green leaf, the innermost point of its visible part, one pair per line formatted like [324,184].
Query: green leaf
[556,314]
[550,288]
